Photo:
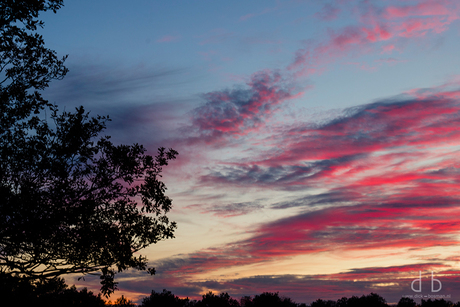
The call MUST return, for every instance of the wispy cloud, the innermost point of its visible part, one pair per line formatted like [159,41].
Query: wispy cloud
[252,15]
[227,209]
[238,112]
[391,175]
[391,282]
[378,177]
[378,29]
[168,39]
[365,139]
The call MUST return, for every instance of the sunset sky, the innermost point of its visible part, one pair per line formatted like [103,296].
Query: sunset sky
[318,140]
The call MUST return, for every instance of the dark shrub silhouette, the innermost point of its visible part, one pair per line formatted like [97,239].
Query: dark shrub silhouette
[436,303]
[372,299]
[222,300]
[406,302]
[342,302]
[163,299]
[321,303]
[123,302]
[269,299]
[17,291]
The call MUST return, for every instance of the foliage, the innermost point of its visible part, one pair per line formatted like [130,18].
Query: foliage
[367,300]
[354,301]
[406,302]
[122,302]
[269,299]
[68,203]
[436,303]
[26,66]
[16,291]
[222,300]
[321,303]
[164,299]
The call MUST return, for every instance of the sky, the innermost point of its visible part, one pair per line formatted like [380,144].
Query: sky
[318,140]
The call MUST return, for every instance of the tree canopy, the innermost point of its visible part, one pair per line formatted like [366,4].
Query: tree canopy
[71,201]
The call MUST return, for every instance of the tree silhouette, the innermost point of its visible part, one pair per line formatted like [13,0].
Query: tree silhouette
[406,302]
[372,299]
[321,303]
[269,299]
[70,201]
[123,302]
[16,291]
[436,303]
[222,300]
[343,302]
[163,299]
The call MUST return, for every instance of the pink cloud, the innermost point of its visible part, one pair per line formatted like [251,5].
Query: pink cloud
[376,25]
[235,113]
[388,48]
[392,225]
[357,228]
[420,27]
[379,197]
[369,148]
[346,37]
[404,223]
[377,33]
[424,8]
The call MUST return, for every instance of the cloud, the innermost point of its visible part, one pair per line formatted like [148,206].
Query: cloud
[379,177]
[228,209]
[399,224]
[252,15]
[423,8]
[109,84]
[276,176]
[390,171]
[136,99]
[391,282]
[237,112]
[403,223]
[382,136]
[337,197]
[379,29]
[380,194]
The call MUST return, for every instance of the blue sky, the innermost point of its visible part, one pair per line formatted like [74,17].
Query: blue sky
[332,122]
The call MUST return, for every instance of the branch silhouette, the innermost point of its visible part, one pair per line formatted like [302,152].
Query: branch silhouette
[70,200]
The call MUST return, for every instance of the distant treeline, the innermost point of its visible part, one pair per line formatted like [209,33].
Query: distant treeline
[269,299]
[55,293]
